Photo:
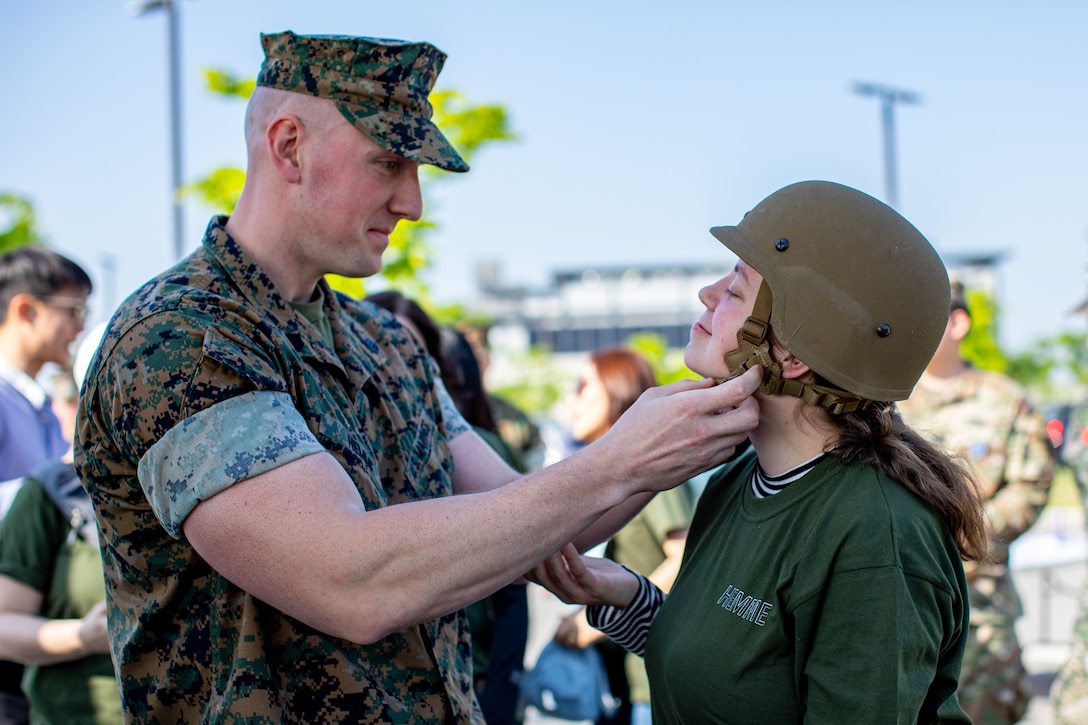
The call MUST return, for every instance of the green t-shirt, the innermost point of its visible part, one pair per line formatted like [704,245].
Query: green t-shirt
[35,550]
[841,599]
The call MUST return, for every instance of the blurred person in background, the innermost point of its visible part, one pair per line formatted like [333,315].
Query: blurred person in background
[499,623]
[986,418]
[52,594]
[43,304]
[652,543]
[64,399]
[1069,692]
[514,426]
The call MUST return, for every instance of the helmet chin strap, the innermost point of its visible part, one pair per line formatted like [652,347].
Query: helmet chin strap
[754,348]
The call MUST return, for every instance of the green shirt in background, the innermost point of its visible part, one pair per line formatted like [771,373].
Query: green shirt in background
[639,546]
[35,550]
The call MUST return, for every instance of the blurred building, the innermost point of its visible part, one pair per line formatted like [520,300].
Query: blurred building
[589,307]
[976,270]
[584,308]
[581,309]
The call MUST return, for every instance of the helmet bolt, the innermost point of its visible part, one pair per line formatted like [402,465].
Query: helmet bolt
[782,244]
[883,329]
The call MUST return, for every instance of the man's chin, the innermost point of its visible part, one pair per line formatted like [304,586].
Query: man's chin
[358,271]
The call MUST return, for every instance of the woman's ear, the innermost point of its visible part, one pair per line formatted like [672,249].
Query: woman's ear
[792,367]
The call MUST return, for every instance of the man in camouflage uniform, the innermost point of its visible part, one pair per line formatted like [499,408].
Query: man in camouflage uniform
[986,418]
[273,464]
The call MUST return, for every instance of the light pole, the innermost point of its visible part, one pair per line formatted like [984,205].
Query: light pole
[108,262]
[888,98]
[138,8]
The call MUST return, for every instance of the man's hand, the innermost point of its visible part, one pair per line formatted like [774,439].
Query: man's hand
[677,431]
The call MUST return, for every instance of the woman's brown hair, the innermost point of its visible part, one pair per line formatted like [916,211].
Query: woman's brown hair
[879,437]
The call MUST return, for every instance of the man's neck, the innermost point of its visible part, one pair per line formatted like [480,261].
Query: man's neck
[15,354]
[279,266]
[945,369]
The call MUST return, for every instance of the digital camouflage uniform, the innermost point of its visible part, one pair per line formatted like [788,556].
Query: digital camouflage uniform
[205,377]
[1070,691]
[986,418]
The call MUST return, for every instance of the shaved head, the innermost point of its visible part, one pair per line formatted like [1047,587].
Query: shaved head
[268,104]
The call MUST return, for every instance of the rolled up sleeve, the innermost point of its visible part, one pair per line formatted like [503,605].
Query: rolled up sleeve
[208,452]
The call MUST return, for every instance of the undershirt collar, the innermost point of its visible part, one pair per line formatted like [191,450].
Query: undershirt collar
[764,485]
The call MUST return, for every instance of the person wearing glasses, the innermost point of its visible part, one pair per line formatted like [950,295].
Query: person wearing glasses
[43,304]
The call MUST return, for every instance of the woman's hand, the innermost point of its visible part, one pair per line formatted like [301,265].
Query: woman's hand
[575,632]
[578,579]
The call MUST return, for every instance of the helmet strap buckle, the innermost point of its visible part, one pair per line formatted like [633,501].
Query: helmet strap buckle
[754,349]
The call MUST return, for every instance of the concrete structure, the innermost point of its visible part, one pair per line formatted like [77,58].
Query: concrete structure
[584,308]
[590,307]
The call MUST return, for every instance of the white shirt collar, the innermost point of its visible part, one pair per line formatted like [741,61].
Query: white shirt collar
[27,386]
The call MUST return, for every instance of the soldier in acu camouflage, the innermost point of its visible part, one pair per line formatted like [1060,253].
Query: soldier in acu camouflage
[1070,690]
[986,418]
[273,464]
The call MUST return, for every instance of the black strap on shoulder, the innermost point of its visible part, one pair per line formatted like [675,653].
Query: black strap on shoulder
[59,480]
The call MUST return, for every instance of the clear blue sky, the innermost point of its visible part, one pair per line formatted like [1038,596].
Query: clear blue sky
[641,125]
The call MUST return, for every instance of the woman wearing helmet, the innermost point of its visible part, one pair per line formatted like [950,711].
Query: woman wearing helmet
[822,580]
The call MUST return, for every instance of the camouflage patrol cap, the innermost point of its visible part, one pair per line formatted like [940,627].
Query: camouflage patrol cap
[380,86]
[857,292]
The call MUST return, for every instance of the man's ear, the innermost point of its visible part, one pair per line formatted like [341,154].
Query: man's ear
[959,324]
[282,139]
[23,307]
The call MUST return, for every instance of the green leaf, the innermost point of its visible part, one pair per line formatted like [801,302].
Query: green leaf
[18,222]
[223,83]
[220,189]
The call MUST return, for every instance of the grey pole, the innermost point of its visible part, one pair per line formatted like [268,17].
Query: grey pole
[173,47]
[175,126]
[888,98]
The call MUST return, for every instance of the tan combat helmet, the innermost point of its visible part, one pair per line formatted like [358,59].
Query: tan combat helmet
[850,287]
